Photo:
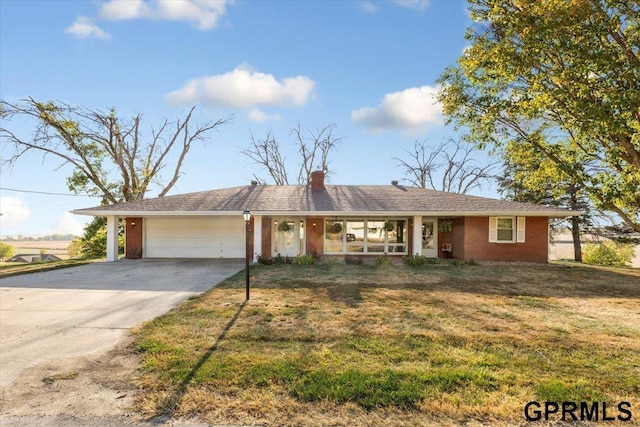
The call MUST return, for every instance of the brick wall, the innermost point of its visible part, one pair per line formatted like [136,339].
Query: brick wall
[133,238]
[314,236]
[457,239]
[477,246]
[266,237]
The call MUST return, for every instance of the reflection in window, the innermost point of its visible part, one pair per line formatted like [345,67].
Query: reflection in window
[333,236]
[355,236]
[505,229]
[376,237]
[427,235]
[288,236]
[365,236]
[397,235]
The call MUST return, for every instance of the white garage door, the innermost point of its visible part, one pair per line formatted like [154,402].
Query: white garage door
[194,237]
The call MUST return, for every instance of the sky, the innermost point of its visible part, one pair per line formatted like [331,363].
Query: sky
[368,67]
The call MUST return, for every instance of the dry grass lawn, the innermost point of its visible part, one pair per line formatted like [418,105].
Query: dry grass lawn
[395,345]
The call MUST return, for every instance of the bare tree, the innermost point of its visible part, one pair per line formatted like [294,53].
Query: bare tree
[448,167]
[111,156]
[314,149]
[266,152]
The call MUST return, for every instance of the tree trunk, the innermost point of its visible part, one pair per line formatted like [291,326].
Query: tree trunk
[575,225]
[575,232]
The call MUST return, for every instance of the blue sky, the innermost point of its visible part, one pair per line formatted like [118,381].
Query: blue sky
[369,67]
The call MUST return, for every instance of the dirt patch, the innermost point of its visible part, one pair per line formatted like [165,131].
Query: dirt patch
[88,391]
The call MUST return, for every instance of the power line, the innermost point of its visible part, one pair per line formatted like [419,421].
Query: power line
[45,192]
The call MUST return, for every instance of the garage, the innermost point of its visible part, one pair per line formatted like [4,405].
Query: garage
[194,237]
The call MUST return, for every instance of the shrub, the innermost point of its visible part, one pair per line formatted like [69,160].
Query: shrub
[471,262]
[414,260]
[608,253]
[264,260]
[433,260]
[75,248]
[6,251]
[280,260]
[304,260]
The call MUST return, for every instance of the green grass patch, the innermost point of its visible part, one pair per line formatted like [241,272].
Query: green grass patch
[555,390]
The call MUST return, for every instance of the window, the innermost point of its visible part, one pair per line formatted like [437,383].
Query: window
[359,236]
[375,236]
[355,236]
[333,233]
[507,229]
[397,235]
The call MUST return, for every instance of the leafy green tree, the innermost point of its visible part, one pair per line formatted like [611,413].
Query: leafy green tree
[529,176]
[6,251]
[93,243]
[560,76]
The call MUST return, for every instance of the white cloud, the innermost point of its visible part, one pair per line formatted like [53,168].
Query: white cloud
[369,7]
[205,14]
[67,224]
[14,213]
[243,88]
[258,116]
[414,110]
[413,4]
[84,27]
[118,10]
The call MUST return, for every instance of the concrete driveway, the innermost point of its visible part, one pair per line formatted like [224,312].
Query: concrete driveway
[87,309]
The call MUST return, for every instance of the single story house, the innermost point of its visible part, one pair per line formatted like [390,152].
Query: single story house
[330,220]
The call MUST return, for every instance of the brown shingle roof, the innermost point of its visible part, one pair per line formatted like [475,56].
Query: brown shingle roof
[342,199]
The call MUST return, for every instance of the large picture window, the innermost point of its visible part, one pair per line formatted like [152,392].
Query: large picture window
[365,236]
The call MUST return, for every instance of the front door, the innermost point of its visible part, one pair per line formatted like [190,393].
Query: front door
[430,238]
[288,240]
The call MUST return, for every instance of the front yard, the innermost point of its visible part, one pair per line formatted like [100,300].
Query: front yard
[358,345]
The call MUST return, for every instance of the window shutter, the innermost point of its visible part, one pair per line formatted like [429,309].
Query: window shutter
[520,229]
[493,229]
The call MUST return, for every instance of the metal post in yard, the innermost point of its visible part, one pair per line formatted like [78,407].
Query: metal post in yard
[247,217]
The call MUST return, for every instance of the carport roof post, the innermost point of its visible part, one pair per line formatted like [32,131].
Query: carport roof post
[112,238]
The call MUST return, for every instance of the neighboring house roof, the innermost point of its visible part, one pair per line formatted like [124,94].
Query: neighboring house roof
[332,200]
[29,258]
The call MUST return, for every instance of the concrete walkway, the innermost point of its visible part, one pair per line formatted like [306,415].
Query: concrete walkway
[82,310]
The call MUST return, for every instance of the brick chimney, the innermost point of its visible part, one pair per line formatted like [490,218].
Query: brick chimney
[317,180]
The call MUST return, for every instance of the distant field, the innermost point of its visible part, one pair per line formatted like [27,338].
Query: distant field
[57,248]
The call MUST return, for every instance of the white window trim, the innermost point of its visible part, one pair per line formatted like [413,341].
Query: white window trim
[520,229]
[517,230]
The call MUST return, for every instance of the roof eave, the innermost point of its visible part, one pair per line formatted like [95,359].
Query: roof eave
[130,213]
